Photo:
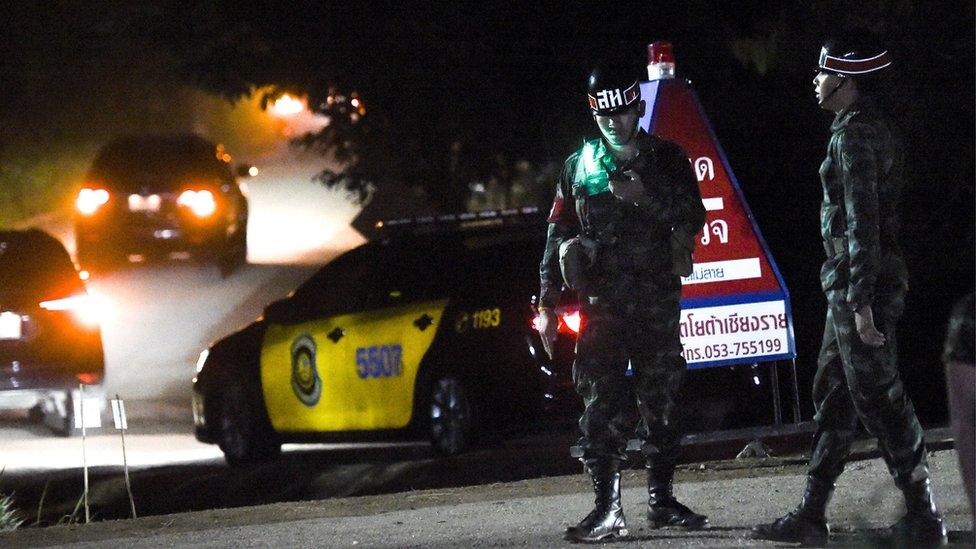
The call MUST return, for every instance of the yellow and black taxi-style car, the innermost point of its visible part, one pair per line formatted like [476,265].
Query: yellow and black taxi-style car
[424,333]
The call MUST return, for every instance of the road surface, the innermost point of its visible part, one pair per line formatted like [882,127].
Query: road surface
[158,317]
[530,513]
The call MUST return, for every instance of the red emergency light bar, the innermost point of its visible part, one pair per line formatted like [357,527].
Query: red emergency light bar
[660,60]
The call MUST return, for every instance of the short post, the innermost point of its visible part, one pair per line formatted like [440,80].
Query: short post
[118,416]
[84,453]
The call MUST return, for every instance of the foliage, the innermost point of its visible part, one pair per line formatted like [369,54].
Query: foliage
[10,517]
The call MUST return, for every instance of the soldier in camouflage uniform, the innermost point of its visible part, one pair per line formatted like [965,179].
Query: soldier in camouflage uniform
[865,280]
[621,232]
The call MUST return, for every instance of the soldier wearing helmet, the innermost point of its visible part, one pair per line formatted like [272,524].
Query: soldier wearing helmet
[865,280]
[621,232]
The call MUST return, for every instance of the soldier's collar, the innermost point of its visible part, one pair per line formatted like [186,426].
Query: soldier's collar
[844,116]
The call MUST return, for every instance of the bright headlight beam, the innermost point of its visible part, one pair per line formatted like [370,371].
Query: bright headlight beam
[286,106]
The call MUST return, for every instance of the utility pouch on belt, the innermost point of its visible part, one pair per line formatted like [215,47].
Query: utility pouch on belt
[835,246]
[575,256]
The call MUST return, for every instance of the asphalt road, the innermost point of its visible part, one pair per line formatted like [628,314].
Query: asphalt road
[531,513]
[158,317]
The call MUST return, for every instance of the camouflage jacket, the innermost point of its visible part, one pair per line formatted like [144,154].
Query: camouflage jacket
[859,217]
[631,239]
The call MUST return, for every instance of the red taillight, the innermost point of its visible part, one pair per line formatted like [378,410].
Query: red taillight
[90,200]
[570,322]
[82,306]
[89,378]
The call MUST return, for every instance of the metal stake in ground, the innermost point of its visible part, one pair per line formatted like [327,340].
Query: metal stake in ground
[84,454]
[118,415]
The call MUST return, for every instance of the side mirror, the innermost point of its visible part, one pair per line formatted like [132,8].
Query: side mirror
[247,170]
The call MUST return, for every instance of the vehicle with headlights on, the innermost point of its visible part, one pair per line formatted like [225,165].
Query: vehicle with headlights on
[50,338]
[427,332]
[157,194]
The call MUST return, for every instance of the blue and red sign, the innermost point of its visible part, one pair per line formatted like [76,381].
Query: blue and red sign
[735,306]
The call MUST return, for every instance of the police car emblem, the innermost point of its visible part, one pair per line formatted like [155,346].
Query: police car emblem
[305,380]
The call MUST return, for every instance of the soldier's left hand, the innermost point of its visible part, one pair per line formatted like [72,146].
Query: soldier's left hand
[631,190]
[864,321]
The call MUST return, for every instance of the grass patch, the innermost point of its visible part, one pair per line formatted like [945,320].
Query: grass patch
[10,517]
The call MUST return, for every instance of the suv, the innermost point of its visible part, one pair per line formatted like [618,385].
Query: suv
[50,339]
[160,194]
[426,333]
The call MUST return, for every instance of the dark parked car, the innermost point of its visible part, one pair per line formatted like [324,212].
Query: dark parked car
[156,194]
[427,332]
[50,339]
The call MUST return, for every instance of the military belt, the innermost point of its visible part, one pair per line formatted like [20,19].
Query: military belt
[835,246]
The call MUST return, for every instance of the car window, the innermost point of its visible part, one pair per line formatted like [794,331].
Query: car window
[157,161]
[419,269]
[342,285]
[506,260]
[35,267]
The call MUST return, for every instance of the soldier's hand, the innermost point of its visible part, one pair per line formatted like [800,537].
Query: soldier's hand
[631,190]
[864,321]
[548,329]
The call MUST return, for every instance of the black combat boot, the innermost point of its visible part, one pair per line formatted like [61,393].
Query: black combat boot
[663,509]
[922,526]
[805,524]
[607,517]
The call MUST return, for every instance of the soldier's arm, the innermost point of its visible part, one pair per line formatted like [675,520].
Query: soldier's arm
[563,225]
[687,212]
[858,165]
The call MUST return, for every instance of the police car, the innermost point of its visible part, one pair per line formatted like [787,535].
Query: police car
[427,332]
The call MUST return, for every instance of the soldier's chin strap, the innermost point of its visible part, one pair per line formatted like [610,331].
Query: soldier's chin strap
[833,91]
[630,137]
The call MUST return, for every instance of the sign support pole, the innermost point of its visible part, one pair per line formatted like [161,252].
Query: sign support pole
[777,405]
[796,392]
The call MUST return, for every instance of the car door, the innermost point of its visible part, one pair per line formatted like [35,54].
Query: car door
[391,336]
[348,357]
[307,364]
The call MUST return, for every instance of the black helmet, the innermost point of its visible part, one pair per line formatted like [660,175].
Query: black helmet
[853,58]
[611,89]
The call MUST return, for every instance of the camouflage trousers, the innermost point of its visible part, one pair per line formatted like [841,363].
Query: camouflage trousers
[857,382]
[643,333]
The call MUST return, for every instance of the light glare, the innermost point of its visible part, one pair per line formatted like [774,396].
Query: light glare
[201,203]
[89,200]
[286,106]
